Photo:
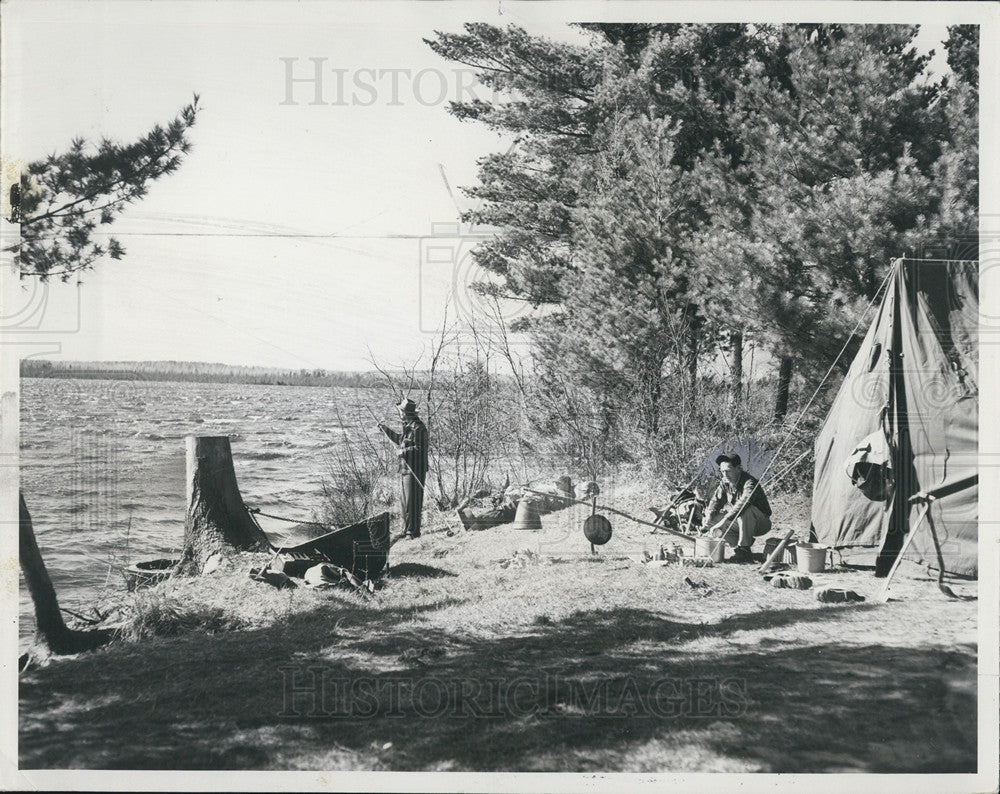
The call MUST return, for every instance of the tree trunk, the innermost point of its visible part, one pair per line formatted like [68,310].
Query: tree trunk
[217,521]
[693,351]
[736,368]
[784,384]
[52,633]
[655,393]
[650,393]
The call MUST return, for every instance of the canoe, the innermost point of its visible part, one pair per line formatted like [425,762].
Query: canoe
[361,548]
[148,573]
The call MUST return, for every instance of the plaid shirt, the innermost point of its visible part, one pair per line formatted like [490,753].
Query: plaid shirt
[734,498]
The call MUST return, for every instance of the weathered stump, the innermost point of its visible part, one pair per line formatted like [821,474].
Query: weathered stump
[53,636]
[217,520]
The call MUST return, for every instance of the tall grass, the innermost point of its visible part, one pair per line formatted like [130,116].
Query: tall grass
[226,600]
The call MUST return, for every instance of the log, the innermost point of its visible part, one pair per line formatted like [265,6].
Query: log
[52,635]
[217,520]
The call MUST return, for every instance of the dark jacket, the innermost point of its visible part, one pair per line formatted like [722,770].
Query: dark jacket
[734,499]
[414,443]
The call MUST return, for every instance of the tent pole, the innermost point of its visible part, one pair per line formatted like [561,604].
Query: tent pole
[940,558]
[898,518]
[883,595]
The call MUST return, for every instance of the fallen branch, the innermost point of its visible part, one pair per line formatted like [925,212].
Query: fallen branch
[83,619]
[607,509]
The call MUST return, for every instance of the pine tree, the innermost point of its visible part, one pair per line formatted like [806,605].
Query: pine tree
[802,160]
[840,174]
[65,197]
[575,112]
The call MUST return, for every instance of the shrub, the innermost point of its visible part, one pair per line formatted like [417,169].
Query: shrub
[359,480]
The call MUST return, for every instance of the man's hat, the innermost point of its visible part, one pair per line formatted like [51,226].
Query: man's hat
[407,406]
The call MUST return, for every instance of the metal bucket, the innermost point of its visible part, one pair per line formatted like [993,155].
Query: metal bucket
[714,548]
[527,516]
[811,557]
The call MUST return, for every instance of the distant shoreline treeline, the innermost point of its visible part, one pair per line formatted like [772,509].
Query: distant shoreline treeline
[199,372]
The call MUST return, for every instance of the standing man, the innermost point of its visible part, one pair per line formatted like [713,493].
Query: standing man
[412,454]
[738,507]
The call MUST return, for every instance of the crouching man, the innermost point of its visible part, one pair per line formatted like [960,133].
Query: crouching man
[738,508]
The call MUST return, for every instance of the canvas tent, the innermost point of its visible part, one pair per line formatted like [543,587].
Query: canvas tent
[911,394]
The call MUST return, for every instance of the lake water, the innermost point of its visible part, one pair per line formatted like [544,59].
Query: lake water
[102,465]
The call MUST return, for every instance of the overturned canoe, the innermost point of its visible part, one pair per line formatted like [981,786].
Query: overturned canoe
[361,548]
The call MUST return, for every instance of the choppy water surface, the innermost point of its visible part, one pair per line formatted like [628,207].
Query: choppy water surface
[102,465]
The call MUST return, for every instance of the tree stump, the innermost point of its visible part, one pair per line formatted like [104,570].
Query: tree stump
[52,636]
[217,521]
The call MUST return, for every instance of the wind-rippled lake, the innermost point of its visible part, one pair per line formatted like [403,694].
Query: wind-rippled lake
[102,465]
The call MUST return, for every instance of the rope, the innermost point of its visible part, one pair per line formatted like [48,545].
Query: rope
[257,511]
[788,468]
[940,560]
[815,393]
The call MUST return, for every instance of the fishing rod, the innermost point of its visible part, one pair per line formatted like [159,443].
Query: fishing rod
[398,445]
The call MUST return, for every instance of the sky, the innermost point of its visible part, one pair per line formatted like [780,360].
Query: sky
[295,234]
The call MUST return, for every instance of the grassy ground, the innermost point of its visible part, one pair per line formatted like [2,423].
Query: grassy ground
[513,650]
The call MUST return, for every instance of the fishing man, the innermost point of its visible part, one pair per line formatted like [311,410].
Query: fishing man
[412,452]
[738,507]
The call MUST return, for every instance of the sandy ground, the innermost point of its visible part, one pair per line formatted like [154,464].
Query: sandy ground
[518,650]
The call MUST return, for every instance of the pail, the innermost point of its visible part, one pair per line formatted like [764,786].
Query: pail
[787,556]
[769,546]
[710,547]
[811,557]
[527,516]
